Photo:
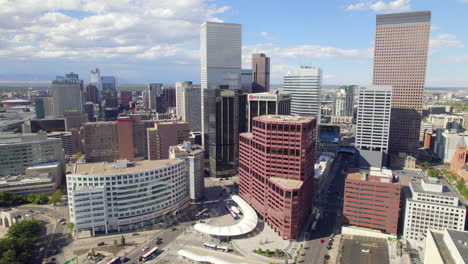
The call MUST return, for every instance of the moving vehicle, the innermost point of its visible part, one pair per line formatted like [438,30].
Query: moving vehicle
[365,250]
[314,225]
[235,209]
[201,212]
[321,241]
[150,254]
[210,246]
[222,248]
[115,260]
[231,212]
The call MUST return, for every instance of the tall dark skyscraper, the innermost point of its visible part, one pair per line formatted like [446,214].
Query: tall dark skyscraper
[261,73]
[400,59]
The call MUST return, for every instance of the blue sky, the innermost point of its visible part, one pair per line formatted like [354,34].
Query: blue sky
[143,41]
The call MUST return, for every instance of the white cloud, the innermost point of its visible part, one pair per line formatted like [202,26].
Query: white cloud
[444,41]
[381,6]
[143,29]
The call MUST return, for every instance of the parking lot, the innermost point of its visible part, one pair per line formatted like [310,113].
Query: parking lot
[359,249]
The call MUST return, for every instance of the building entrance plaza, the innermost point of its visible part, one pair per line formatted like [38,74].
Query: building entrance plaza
[241,237]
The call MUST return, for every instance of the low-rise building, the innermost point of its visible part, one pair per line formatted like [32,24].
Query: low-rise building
[446,142]
[431,204]
[20,151]
[372,199]
[194,156]
[448,246]
[125,195]
[444,121]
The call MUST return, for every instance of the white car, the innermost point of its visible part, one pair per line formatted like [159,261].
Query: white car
[144,249]
[365,250]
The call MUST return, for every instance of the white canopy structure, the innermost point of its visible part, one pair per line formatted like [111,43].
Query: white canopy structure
[203,259]
[246,225]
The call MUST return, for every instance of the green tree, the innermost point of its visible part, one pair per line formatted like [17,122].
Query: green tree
[25,229]
[115,242]
[70,226]
[432,173]
[9,199]
[32,198]
[277,251]
[267,251]
[42,198]
[426,165]
[122,241]
[56,197]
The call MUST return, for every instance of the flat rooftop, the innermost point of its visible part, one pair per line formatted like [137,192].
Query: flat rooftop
[460,239]
[107,168]
[417,187]
[286,118]
[287,183]
[357,176]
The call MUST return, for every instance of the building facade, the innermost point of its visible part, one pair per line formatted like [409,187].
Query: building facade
[372,199]
[126,195]
[21,151]
[276,170]
[165,134]
[445,143]
[194,157]
[44,107]
[188,108]
[344,102]
[431,205]
[246,80]
[373,125]
[125,98]
[400,59]
[275,103]
[226,116]
[67,93]
[220,50]
[261,73]
[305,87]
[444,121]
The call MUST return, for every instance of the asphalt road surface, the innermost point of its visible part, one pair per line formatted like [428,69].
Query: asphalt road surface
[331,216]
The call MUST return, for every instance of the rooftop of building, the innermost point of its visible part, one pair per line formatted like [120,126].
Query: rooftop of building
[287,183]
[119,167]
[186,148]
[286,118]
[7,138]
[385,175]
[431,186]
[458,238]
[447,115]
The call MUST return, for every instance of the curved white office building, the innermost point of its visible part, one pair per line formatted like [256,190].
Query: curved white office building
[125,195]
[305,87]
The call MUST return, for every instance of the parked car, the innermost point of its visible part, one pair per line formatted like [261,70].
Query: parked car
[321,241]
[365,250]
[101,244]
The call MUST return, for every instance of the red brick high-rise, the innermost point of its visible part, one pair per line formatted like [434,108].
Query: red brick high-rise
[400,59]
[125,97]
[372,199]
[276,169]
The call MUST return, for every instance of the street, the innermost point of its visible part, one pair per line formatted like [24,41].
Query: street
[331,215]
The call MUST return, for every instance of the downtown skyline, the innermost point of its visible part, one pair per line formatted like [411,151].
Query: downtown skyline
[133,42]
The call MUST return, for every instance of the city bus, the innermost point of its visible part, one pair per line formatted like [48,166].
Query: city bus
[210,246]
[222,248]
[314,225]
[201,212]
[115,260]
[231,212]
[149,254]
